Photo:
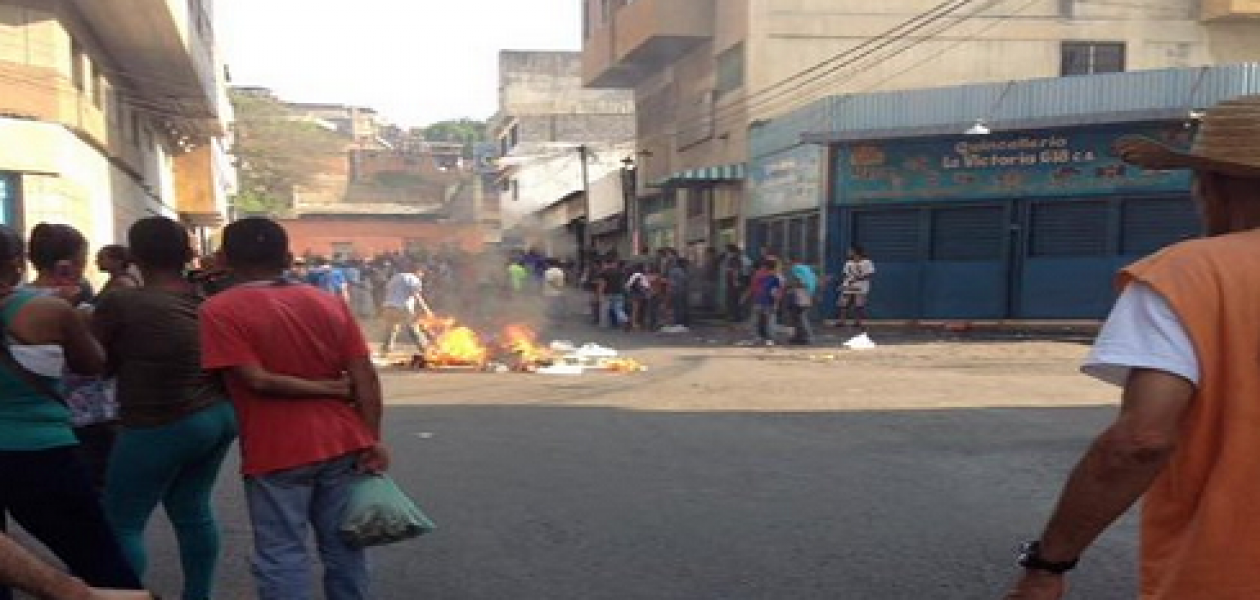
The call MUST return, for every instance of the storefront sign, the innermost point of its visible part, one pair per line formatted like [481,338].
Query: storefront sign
[1042,163]
[789,181]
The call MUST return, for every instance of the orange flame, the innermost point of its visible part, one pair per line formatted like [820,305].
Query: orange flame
[624,365]
[456,346]
[523,342]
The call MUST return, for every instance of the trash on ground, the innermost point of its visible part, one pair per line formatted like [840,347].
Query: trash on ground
[561,370]
[860,342]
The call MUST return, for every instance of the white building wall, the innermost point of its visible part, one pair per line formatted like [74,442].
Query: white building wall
[541,180]
[65,180]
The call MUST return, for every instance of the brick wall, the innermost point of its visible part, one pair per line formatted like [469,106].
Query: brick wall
[376,236]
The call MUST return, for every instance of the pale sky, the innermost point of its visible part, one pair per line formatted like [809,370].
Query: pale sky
[416,61]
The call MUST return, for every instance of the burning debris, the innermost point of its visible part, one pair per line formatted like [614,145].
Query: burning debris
[453,347]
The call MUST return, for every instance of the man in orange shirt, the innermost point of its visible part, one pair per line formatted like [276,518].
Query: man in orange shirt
[1183,340]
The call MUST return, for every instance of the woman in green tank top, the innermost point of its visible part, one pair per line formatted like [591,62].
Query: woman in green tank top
[46,489]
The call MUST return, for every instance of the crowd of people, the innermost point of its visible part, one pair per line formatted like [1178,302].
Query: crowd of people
[655,291]
[659,292]
[113,403]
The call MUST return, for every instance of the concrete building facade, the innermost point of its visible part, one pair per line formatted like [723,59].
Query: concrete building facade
[110,112]
[706,71]
[546,123]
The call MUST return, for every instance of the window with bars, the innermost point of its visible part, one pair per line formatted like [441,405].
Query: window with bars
[1090,58]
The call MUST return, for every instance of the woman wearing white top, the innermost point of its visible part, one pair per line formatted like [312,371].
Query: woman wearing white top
[855,286]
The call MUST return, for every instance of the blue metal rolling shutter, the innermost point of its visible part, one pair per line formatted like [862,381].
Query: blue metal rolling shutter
[969,234]
[1149,224]
[1064,228]
[889,235]
[893,240]
[966,277]
[1071,261]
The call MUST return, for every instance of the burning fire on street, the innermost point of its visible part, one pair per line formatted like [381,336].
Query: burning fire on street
[455,347]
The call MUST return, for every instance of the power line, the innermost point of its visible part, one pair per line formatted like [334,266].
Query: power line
[973,37]
[840,61]
[833,73]
[999,20]
[947,5]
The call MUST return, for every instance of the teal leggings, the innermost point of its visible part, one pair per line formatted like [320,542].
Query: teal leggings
[175,465]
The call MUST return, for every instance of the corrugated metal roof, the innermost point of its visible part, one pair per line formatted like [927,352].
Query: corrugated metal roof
[1055,102]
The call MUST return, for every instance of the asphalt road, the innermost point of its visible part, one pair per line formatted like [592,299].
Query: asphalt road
[908,472]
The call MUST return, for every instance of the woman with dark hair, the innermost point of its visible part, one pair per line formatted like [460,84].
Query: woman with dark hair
[115,260]
[177,424]
[46,489]
[59,254]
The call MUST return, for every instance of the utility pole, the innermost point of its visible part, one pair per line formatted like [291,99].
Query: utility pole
[584,252]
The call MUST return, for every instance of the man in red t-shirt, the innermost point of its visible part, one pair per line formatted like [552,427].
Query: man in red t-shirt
[309,404]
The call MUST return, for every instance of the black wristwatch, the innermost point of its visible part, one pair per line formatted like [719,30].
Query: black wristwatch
[1030,558]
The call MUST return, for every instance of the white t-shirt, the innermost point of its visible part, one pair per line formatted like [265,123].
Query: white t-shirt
[401,291]
[554,278]
[1142,332]
[857,277]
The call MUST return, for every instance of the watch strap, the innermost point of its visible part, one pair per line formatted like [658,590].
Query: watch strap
[1030,558]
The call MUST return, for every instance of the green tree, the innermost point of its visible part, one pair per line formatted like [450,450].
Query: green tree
[468,132]
[276,152]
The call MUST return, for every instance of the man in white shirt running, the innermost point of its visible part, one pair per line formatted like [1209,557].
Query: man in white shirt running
[404,297]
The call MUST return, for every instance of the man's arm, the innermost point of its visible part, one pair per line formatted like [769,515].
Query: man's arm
[84,353]
[1116,471]
[277,386]
[423,304]
[20,569]
[343,290]
[370,402]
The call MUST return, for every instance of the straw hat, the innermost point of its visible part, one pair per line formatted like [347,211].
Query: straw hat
[1228,142]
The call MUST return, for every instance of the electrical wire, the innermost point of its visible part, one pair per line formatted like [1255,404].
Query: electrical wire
[837,63]
[818,83]
[947,5]
[810,90]
[973,37]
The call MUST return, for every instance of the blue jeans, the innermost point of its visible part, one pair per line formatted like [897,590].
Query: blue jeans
[283,506]
[614,310]
[766,321]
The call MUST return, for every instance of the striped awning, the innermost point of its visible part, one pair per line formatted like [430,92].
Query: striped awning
[720,173]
